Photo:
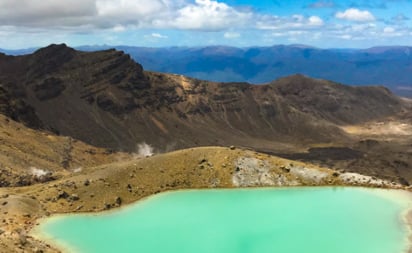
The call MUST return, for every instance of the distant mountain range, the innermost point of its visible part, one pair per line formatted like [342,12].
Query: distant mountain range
[388,66]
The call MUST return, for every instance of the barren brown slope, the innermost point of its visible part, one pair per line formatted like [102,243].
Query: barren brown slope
[106,99]
[28,156]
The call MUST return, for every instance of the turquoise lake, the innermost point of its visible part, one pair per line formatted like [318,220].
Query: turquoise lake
[286,220]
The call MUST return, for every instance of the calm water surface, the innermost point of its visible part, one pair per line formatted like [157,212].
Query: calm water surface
[289,220]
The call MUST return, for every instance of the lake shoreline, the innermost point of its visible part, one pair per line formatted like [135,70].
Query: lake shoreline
[408,221]
[398,194]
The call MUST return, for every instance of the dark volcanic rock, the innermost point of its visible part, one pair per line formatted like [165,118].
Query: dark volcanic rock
[14,106]
[336,102]
[62,195]
[50,59]
[49,88]
[321,154]
[106,99]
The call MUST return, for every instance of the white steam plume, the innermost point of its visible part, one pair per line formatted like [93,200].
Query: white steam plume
[144,149]
[38,172]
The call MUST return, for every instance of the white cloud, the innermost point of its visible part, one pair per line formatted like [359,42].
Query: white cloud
[231,35]
[210,15]
[389,29]
[295,22]
[393,32]
[354,14]
[207,15]
[316,21]
[159,36]
[155,36]
[88,16]
[119,28]
[345,36]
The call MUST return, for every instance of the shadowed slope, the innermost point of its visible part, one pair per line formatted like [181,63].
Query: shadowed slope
[106,99]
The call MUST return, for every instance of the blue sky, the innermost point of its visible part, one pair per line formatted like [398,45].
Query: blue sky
[244,23]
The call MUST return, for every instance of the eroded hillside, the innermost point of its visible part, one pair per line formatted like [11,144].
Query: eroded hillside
[28,156]
[106,99]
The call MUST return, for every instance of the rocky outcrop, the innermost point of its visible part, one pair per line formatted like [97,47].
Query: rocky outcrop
[253,172]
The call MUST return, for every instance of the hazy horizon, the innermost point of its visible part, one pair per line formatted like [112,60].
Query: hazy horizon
[203,46]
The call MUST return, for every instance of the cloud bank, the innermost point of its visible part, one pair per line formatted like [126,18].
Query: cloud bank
[205,15]
[195,21]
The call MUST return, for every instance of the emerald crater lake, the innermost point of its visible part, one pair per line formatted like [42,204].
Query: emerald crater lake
[268,220]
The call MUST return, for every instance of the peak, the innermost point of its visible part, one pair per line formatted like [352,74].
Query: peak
[54,54]
[295,77]
[299,75]
[56,46]
[53,48]
[62,45]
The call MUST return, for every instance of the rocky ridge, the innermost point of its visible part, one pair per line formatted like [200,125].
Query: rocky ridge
[106,99]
